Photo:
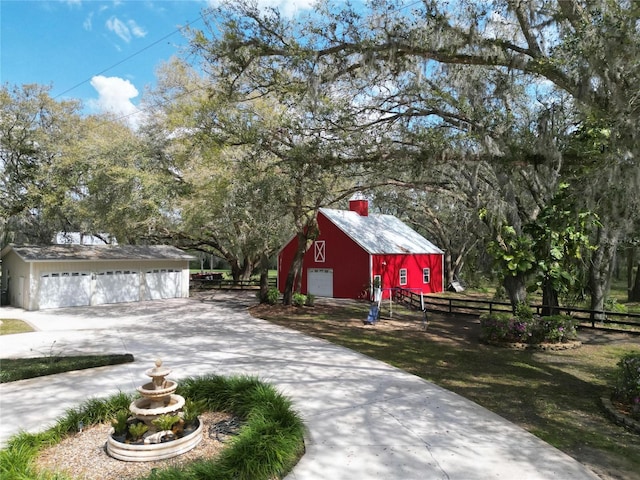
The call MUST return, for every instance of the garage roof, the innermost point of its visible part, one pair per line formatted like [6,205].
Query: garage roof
[97,252]
[380,234]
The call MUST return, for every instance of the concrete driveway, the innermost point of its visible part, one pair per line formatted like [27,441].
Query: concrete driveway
[366,420]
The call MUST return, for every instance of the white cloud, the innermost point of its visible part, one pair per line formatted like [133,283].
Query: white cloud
[88,22]
[136,29]
[286,7]
[126,31]
[114,96]
[119,28]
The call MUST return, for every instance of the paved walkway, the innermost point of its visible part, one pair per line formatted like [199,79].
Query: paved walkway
[366,420]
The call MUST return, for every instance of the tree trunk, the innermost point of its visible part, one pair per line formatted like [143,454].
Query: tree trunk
[448,265]
[550,302]
[516,289]
[264,277]
[241,272]
[634,293]
[601,270]
[296,267]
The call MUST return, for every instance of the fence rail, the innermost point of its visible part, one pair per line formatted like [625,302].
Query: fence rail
[224,284]
[629,322]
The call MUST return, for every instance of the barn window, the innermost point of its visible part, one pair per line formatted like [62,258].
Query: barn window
[426,275]
[403,276]
[319,251]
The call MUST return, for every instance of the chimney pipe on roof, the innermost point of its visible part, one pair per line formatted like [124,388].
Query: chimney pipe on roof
[361,207]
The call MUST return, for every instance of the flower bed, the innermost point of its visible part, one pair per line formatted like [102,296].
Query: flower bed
[627,390]
[533,330]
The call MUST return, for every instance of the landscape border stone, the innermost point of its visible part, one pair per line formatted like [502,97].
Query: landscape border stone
[535,346]
[619,418]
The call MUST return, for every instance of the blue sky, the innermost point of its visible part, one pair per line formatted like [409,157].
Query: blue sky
[81,48]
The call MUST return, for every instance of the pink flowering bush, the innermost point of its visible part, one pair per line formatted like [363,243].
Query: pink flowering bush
[628,386]
[505,327]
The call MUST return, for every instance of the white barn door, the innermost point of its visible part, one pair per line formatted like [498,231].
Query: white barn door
[320,282]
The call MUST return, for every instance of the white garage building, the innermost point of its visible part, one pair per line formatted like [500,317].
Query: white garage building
[73,275]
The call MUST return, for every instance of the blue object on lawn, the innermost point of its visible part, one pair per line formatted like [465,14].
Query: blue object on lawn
[374,314]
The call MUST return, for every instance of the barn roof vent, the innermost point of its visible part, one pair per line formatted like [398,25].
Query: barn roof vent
[360,206]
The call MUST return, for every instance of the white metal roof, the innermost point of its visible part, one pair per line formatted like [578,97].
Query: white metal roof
[380,234]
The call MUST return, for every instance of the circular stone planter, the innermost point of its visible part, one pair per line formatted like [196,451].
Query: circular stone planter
[130,452]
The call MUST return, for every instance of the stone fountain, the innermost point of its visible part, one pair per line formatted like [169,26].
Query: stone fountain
[158,398]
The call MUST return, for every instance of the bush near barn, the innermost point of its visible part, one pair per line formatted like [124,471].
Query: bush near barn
[524,327]
[628,388]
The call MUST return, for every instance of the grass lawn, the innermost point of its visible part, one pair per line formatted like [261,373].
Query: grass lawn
[12,369]
[12,325]
[553,394]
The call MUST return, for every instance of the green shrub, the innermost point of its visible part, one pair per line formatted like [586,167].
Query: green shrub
[192,409]
[119,422]
[22,368]
[273,295]
[137,430]
[611,305]
[495,327]
[298,299]
[504,327]
[165,422]
[628,382]
[311,300]
[557,328]
[524,312]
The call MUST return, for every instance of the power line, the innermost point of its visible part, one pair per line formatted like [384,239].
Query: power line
[131,56]
[139,111]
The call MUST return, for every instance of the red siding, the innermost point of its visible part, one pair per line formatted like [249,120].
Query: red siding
[350,264]
[349,261]
[389,266]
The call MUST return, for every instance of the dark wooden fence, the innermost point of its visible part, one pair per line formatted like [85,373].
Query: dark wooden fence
[628,322]
[208,281]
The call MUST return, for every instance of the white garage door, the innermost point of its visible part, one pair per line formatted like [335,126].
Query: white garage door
[117,286]
[66,289]
[162,284]
[320,282]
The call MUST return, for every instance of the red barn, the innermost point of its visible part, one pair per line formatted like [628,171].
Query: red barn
[355,251]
